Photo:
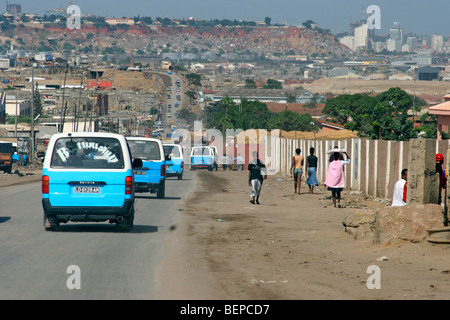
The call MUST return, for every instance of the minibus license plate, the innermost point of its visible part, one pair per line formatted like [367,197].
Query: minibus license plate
[87,189]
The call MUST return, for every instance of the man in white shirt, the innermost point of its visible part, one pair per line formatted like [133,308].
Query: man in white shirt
[239,162]
[399,197]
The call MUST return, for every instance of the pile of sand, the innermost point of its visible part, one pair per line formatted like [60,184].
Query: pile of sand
[132,80]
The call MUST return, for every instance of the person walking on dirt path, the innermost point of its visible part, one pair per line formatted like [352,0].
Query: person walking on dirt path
[335,177]
[443,175]
[400,187]
[297,170]
[224,162]
[255,177]
[239,162]
[311,170]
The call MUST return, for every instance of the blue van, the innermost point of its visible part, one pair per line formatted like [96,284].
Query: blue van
[88,177]
[175,166]
[202,157]
[152,176]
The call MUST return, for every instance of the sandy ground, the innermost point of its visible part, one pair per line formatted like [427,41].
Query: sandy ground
[21,175]
[343,86]
[291,247]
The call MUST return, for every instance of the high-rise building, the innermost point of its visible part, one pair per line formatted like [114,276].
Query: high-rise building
[13,9]
[412,43]
[361,36]
[348,41]
[396,33]
[393,45]
[437,42]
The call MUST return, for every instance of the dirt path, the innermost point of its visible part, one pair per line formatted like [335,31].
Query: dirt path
[289,247]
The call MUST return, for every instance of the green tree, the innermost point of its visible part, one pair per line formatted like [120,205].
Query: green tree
[428,129]
[37,102]
[267,21]
[250,83]
[194,79]
[308,24]
[227,114]
[191,94]
[381,117]
[290,121]
[187,115]
[272,84]
[397,98]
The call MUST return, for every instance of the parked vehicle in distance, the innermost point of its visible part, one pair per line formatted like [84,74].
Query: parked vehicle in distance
[6,156]
[151,177]
[88,177]
[136,68]
[202,157]
[175,166]
[16,158]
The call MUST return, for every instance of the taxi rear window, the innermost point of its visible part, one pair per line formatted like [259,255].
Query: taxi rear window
[145,150]
[172,150]
[87,153]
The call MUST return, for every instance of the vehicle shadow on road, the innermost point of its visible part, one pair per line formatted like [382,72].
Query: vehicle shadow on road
[4,219]
[105,228]
[154,197]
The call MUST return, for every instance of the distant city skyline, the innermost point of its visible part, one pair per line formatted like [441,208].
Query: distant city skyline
[415,16]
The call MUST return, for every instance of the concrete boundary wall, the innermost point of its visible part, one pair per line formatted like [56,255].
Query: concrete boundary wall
[375,164]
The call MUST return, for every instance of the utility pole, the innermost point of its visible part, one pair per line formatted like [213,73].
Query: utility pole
[32,115]
[79,102]
[282,122]
[61,125]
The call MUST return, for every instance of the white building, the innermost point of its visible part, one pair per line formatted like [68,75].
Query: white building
[412,43]
[13,103]
[348,41]
[115,21]
[437,42]
[359,40]
[361,36]
[393,45]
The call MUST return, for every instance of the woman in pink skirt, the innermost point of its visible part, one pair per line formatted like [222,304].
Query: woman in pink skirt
[335,177]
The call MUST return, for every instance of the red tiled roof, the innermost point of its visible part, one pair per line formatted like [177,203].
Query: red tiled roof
[440,109]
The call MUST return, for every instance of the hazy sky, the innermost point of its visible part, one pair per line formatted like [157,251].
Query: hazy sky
[416,16]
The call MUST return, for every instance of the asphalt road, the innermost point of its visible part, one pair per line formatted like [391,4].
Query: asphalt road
[37,264]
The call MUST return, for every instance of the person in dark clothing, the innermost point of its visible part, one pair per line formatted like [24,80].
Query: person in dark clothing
[443,175]
[341,156]
[311,170]
[255,177]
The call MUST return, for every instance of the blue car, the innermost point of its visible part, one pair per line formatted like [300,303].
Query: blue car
[88,177]
[152,176]
[202,157]
[16,158]
[175,166]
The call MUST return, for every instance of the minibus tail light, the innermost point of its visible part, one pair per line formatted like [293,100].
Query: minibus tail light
[45,184]
[128,185]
